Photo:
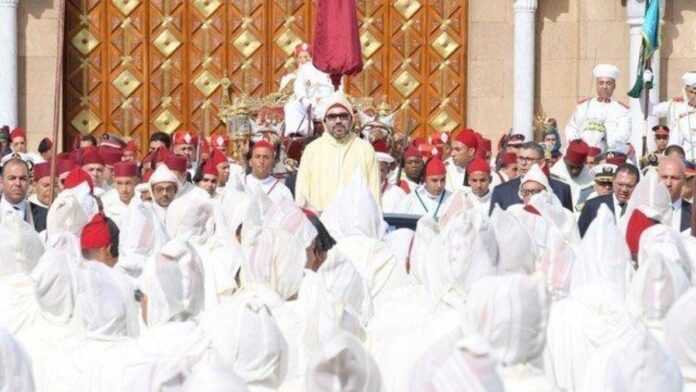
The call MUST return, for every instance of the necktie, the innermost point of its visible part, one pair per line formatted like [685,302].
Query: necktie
[623,208]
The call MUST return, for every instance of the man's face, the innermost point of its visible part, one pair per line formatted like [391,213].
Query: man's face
[42,188]
[164,193]
[605,87]
[96,171]
[529,189]
[19,145]
[479,183]
[108,175]
[186,150]
[688,188]
[602,188]
[223,169]
[461,154]
[125,186]
[46,155]
[510,170]
[145,196]
[128,156]
[435,184]
[672,175]
[661,142]
[208,183]
[526,158]
[513,148]
[550,140]
[691,95]
[155,144]
[623,186]
[573,169]
[383,171]
[262,161]
[15,182]
[303,57]
[413,168]
[338,122]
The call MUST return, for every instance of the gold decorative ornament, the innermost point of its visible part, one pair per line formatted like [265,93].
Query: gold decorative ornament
[167,122]
[206,83]
[167,43]
[84,42]
[85,122]
[126,6]
[288,41]
[247,43]
[443,122]
[407,8]
[444,45]
[370,44]
[126,83]
[405,84]
[207,7]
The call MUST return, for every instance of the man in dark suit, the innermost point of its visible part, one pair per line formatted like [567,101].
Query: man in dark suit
[624,183]
[41,198]
[507,194]
[672,172]
[15,178]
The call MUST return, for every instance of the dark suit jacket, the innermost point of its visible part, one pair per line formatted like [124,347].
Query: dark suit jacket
[685,216]
[589,211]
[506,194]
[38,214]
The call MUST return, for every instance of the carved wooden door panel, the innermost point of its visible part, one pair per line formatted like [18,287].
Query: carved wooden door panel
[134,67]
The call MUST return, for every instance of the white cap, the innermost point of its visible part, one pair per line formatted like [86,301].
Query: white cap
[163,174]
[606,71]
[689,79]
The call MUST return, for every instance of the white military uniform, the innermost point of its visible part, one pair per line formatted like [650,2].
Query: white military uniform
[273,187]
[421,202]
[392,197]
[681,119]
[455,176]
[599,123]
[312,87]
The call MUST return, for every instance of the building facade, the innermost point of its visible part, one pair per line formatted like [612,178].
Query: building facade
[469,77]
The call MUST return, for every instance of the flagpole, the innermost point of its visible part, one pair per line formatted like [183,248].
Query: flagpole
[58,98]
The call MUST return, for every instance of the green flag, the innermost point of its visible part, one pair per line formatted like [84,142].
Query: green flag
[650,43]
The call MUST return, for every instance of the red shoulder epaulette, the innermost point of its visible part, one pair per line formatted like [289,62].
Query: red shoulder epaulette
[584,99]
[678,99]
[404,186]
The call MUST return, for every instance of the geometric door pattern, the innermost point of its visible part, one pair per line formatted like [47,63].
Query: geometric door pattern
[134,67]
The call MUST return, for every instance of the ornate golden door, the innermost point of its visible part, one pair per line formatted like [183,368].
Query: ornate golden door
[138,66]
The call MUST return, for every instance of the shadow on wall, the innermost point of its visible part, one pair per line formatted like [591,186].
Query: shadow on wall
[33,9]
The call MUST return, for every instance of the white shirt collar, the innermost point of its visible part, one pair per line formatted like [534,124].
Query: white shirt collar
[20,208]
[677,205]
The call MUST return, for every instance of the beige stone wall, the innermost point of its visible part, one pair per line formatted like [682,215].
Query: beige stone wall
[572,35]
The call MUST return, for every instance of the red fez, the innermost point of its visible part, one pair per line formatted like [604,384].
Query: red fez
[125,169]
[577,152]
[131,147]
[616,159]
[95,234]
[467,137]
[217,157]
[183,137]
[18,132]
[91,155]
[637,224]
[64,165]
[435,167]
[508,158]
[159,155]
[438,139]
[41,170]
[263,144]
[76,177]
[303,47]
[661,130]
[593,151]
[209,167]
[478,165]
[110,155]
[412,152]
[380,145]
[176,162]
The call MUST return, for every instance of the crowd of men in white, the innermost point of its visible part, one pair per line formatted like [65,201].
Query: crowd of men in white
[243,292]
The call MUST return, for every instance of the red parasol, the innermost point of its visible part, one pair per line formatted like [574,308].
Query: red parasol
[336,49]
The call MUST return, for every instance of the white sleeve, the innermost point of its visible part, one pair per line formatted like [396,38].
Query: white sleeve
[622,133]
[571,130]
[661,110]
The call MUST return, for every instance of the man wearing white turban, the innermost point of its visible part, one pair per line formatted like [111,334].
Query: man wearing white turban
[601,121]
[331,162]
[681,116]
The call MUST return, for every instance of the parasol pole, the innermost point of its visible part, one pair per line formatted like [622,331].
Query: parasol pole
[58,96]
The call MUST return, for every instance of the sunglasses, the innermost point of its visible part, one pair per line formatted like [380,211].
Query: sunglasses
[661,137]
[338,116]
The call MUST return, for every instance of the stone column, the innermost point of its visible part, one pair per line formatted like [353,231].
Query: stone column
[8,62]
[635,10]
[523,105]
